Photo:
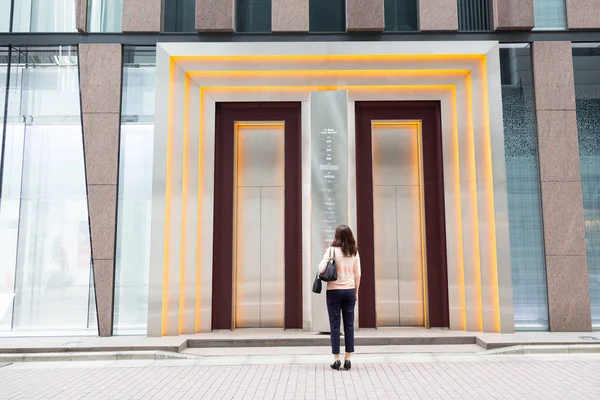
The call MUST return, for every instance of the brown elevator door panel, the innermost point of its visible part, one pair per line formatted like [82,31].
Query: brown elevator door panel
[436,276]
[225,209]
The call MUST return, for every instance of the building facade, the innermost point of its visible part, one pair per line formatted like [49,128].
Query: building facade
[173,167]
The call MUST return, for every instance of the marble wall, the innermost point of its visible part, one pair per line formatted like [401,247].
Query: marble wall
[513,14]
[438,15]
[562,201]
[100,77]
[583,14]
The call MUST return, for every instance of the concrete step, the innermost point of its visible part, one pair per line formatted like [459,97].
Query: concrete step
[323,340]
[325,350]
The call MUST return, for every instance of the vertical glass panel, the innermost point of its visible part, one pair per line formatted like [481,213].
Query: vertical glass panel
[550,14]
[253,15]
[400,15]
[473,15]
[179,16]
[327,16]
[586,65]
[44,214]
[135,191]
[7,229]
[524,190]
[5,15]
[3,76]
[105,15]
[44,16]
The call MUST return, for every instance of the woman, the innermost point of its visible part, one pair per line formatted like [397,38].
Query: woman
[342,293]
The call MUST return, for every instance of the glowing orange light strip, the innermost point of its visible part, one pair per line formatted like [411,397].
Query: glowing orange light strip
[199,228]
[459,227]
[340,57]
[334,87]
[184,188]
[203,90]
[472,169]
[329,73]
[165,288]
[328,87]
[422,219]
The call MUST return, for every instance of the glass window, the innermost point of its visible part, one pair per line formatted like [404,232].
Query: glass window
[104,15]
[135,191]
[45,265]
[44,16]
[474,15]
[327,16]
[400,15]
[3,76]
[527,252]
[586,65]
[550,14]
[253,15]
[179,16]
[5,15]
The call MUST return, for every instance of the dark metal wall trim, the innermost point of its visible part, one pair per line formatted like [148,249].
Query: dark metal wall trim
[145,39]
[222,289]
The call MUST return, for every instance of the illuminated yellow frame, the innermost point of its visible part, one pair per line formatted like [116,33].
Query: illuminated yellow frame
[331,73]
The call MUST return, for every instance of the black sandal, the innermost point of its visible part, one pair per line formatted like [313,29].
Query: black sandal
[347,365]
[336,365]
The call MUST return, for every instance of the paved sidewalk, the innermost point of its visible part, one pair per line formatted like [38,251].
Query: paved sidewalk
[515,377]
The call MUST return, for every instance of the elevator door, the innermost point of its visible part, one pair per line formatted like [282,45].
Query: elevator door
[259,225]
[398,223]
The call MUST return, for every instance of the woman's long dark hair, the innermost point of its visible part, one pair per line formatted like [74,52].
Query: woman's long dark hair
[345,239]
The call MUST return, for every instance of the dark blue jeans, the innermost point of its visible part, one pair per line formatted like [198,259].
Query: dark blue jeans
[343,301]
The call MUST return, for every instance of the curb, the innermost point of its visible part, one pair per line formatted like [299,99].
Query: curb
[96,356]
[545,349]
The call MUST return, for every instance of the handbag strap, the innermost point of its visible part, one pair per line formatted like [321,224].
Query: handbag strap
[331,253]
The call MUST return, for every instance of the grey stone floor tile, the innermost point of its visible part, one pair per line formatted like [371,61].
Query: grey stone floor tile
[557,377]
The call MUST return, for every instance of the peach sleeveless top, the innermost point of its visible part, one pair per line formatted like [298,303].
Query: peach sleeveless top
[348,270]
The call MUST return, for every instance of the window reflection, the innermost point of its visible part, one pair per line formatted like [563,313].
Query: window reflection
[44,226]
[5,16]
[135,191]
[44,16]
[327,16]
[586,65]
[179,16]
[400,15]
[104,15]
[550,14]
[527,252]
[253,16]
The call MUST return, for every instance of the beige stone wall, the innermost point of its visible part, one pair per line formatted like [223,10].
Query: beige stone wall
[289,15]
[142,15]
[364,15]
[562,199]
[100,68]
[215,15]
[438,15]
[513,14]
[583,14]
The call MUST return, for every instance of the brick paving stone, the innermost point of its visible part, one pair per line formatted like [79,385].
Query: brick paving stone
[505,378]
